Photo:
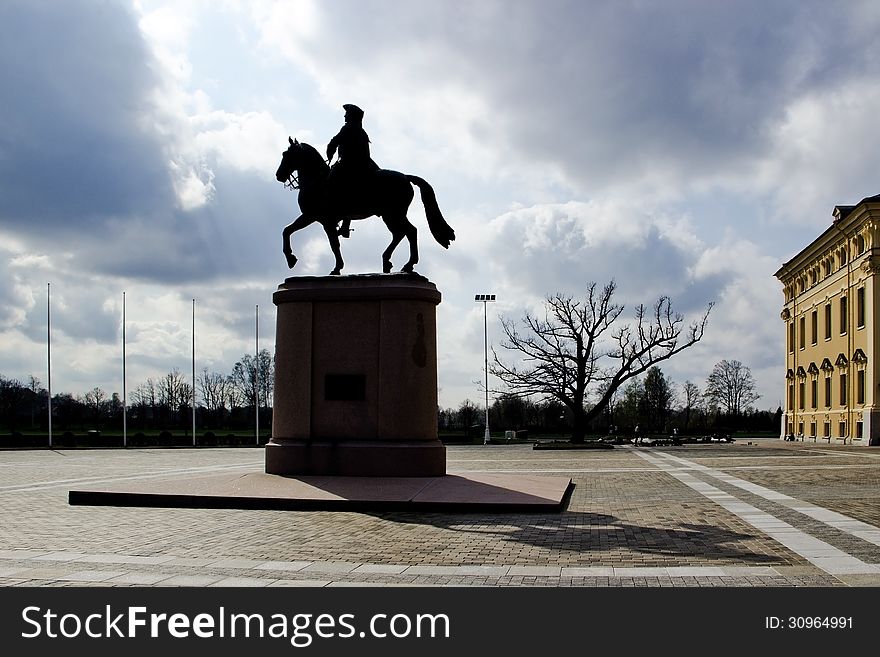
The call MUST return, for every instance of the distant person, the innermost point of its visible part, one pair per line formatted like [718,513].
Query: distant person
[353,169]
[636,439]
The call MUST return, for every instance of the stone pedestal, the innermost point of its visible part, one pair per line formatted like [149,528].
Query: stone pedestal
[356,377]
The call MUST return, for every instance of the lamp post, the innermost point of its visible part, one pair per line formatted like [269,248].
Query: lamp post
[486,298]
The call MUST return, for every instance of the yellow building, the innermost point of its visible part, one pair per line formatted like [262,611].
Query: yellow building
[832,294]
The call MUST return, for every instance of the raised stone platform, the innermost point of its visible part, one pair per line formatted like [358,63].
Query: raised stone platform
[465,493]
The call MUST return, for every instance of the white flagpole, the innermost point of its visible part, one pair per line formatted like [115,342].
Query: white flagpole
[124,406]
[49,353]
[257,373]
[194,374]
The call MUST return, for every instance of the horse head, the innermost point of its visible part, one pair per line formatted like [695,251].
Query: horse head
[289,161]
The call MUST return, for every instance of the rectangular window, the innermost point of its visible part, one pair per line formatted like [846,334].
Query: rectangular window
[860,307]
[814,327]
[827,321]
[801,395]
[800,429]
[841,430]
[843,378]
[814,394]
[803,331]
[860,428]
[812,429]
[826,430]
[827,392]
[790,397]
[791,337]
[843,315]
[860,387]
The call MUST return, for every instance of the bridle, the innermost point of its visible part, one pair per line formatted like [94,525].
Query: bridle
[292,180]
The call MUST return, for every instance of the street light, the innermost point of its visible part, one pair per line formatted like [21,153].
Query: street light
[486,298]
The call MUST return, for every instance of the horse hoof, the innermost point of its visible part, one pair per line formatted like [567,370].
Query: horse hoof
[407,268]
[291,260]
[386,266]
[335,272]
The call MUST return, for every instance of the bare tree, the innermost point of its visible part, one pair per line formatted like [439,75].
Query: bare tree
[611,406]
[692,401]
[245,379]
[731,387]
[233,397]
[213,387]
[564,356]
[467,414]
[172,391]
[96,401]
[12,394]
[34,385]
[659,394]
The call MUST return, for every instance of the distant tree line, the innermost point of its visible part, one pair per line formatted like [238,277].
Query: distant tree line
[652,402]
[223,401]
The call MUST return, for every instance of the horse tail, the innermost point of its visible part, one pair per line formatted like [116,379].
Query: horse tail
[441,230]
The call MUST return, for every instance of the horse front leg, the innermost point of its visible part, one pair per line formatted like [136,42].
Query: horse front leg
[333,237]
[298,224]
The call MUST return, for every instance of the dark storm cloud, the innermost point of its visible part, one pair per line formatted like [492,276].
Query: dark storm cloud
[84,148]
[643,91]
[74,144]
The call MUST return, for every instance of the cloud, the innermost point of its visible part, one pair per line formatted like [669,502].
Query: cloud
[73,147]
[654,98]
[562,247]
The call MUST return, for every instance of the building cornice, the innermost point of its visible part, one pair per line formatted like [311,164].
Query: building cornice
[845,219]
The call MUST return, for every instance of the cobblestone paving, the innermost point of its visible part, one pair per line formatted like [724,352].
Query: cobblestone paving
[629,523]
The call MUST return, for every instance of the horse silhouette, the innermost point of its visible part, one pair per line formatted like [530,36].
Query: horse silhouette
[388,196]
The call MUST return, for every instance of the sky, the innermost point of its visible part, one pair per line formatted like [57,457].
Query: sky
[682,148]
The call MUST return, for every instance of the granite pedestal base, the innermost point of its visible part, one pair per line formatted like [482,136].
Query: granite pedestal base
[356,377]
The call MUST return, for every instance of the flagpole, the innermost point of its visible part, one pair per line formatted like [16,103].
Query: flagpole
[194,374]
[49,353]
[124,406]
[257,373]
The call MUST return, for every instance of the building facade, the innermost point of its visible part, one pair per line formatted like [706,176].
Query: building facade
[832,346]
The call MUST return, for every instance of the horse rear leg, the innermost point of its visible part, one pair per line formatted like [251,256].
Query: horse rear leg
[412,237]
[330,229]
[396,235]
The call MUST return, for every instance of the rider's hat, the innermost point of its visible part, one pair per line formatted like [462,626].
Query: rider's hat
[354,110]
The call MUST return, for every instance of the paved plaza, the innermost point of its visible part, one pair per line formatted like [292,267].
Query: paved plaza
[762,514]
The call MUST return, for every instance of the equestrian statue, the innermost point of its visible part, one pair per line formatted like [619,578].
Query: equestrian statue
[355,188]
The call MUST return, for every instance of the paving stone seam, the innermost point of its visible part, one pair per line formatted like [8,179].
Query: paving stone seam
[788,516]
[831,518]
[822,555]
[76,560]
